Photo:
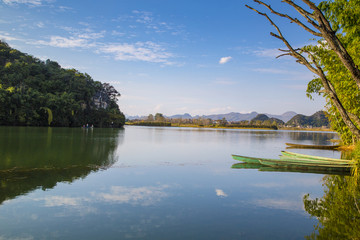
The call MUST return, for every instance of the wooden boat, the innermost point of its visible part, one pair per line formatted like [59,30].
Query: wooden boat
[305,156]
[246,159]
[305,165]
[298,161]
[312,170]
[328,147]
[246,165]
[309,160]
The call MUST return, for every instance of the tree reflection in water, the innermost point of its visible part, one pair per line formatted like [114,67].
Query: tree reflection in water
[338,210]
[32,158]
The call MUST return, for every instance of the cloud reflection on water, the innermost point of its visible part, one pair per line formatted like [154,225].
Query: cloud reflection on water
[220,193]
[283,204]
[144,196]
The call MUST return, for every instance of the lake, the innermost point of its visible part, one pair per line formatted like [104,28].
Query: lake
[152,183]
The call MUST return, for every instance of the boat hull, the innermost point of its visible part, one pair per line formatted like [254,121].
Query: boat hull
[306,165]
[305,156]
[326,147]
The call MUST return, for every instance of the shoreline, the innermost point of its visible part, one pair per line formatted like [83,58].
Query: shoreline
[235,127]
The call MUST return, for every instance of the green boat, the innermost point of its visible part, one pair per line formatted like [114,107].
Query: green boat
[288,163]
[309,160]
[297,161]
[247,159]
[313,170]
[246,165]
[304,156]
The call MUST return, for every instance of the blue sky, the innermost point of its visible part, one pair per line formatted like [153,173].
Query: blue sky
[173,57]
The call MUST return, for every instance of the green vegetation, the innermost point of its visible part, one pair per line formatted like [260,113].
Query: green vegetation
[318,119]
[160,120]
[262,119]
[344,17]
[337,211]
[38,93]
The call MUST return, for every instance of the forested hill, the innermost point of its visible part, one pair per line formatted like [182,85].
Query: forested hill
[318,119]
[38,93]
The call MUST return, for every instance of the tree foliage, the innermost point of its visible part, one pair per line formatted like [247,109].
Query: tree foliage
[41,93]
[344,17]
[335,58]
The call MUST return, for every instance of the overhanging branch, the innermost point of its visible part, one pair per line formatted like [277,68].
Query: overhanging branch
[295,20]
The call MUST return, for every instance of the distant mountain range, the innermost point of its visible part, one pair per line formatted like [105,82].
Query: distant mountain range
[232,117]
[290,118]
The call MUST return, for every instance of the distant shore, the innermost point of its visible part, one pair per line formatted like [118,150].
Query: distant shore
[250,127]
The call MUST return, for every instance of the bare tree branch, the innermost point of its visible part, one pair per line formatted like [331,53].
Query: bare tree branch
[307,15]
[295,20]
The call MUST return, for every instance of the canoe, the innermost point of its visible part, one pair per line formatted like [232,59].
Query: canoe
[328,147]
[246,159]
[304,165]
[305,156]
[246,165]
[312,170]
[310,160]
[298,161]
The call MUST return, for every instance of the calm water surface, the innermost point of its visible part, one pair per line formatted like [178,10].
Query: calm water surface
[151,183]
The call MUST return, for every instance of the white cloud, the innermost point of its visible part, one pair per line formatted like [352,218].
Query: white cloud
[92,35]
[267,52]
[140,51]
[117,33]
[84,38]
[6,37]
[224,60]
[40,24]
[63,42]
[28,2]
[220,193]
[143,17]
[152,23]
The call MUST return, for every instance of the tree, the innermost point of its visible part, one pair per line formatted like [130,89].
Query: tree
[37,93]
[159,117]
[150,118]
[111,91]
[335,59]
[223,122]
